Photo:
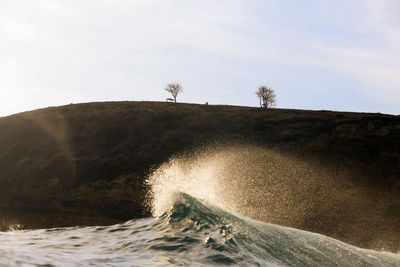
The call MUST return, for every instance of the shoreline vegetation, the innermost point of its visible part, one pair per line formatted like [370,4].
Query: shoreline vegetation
[85,164]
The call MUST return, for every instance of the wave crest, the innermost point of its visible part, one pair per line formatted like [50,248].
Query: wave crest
[192,229]
[248,180]
[273,187]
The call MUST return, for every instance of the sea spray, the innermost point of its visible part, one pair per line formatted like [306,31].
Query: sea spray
[273,187]
[189,233]
[198,233]
[251,181]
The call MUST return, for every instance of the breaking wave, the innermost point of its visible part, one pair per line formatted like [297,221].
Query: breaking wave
[190,233]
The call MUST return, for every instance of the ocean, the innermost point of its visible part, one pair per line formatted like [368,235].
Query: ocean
[189,233]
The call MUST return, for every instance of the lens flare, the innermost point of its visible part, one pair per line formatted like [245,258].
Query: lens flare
[56,127]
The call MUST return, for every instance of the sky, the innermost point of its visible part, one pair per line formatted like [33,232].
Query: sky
[317,54]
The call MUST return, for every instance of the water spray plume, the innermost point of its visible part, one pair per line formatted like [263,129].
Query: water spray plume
[196,175]
[274,187]
[247,180]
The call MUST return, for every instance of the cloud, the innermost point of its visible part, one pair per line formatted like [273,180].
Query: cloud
[109,50]
[374,59]
[97,50]
[375,68]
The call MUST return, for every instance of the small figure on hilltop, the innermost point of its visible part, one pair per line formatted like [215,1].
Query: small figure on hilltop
[174,89]
[266,96]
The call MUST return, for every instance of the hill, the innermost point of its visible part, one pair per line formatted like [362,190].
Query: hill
[86,163]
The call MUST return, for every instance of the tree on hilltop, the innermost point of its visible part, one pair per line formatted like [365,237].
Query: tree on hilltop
[174,89]
[266,96]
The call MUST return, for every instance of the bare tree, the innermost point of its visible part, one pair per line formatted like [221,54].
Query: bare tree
[266,96]
[174,89]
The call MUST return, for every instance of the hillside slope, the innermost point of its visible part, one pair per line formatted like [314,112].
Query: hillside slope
[86,163]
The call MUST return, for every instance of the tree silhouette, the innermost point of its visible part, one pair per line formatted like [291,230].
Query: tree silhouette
[266,96]
[174,89]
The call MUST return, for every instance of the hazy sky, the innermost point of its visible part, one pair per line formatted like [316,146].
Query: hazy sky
[316,54]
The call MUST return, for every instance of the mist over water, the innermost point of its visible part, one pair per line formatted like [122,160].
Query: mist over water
[190,233]
[197,199]
[275,187]
[248,180]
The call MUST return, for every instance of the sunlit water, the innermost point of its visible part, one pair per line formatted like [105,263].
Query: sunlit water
[195,200]
[191,233]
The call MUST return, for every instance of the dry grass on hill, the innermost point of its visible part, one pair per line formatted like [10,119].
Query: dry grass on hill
[76,162]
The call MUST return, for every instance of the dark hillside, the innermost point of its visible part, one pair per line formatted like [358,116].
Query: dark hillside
[85,163]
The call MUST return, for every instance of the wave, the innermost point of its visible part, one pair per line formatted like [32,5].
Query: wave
[190,233]
[277,188]
[193,232]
